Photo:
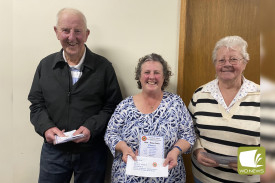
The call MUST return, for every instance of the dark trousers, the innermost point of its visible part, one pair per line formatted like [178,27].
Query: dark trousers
[57,166]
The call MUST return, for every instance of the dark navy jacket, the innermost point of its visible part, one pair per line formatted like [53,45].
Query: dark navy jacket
[90,102]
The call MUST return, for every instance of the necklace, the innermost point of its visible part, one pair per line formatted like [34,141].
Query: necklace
[152,106]
[151,103]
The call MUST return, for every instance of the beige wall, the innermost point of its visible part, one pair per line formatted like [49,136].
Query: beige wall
[7,130]
[121,30]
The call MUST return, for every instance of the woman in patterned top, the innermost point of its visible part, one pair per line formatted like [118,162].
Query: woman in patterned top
[153,112]
[226,113]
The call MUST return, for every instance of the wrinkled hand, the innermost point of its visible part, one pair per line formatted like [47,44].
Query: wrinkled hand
[203,159]
[51,132]
[172,158]
[85,131]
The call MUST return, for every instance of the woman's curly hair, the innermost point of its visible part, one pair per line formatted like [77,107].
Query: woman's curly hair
[157,58]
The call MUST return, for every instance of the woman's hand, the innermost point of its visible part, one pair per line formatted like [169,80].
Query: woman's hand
[126,150]
[205,161]
[234,166]
[180,147]
[172,158]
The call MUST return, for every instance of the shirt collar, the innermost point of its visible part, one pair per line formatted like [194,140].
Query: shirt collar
[79,65]
[247,86]
[89,59]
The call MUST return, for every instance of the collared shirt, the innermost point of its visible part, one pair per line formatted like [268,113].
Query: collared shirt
[76,70]
[213,88]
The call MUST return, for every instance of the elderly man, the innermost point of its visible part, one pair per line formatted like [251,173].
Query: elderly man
[73,89]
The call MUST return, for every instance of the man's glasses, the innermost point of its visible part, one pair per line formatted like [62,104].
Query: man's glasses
[232,61]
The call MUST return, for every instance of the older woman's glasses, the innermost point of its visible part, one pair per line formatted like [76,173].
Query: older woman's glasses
[232,61]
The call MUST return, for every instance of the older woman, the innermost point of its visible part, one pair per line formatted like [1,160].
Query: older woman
[153,112]
[226,113]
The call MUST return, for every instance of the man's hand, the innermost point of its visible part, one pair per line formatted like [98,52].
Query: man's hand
[85,131]
[51,132]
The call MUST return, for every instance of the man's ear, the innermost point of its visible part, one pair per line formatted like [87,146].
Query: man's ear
[56,31]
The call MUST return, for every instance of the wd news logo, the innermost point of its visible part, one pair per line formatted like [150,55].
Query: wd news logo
[251,160]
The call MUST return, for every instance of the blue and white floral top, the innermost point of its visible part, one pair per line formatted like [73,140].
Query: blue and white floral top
[171,120]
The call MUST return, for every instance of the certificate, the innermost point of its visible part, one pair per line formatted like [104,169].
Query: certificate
[146,167]
[151,146]
[68,137]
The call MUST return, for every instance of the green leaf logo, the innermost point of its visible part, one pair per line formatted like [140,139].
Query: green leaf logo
[251,160]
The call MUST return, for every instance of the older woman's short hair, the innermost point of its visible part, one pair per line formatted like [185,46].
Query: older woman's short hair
[233,42]
[157,58]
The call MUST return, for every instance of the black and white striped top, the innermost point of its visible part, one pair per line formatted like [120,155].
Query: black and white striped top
[222,131]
